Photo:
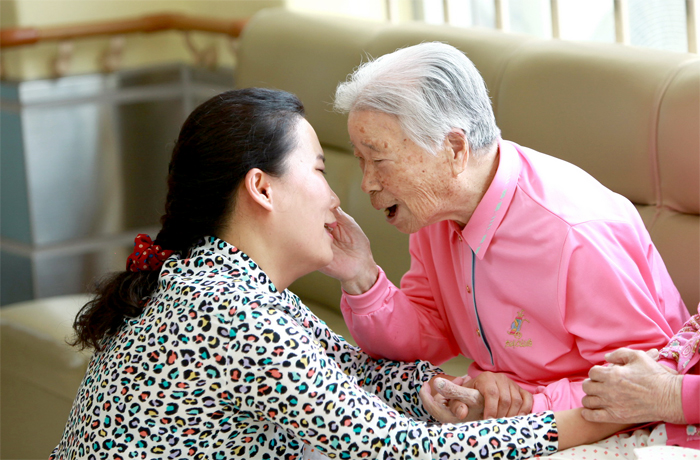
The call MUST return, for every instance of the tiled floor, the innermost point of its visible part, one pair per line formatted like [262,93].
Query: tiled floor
[456,366]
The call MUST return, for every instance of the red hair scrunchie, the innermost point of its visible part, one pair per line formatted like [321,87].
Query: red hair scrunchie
[146,255]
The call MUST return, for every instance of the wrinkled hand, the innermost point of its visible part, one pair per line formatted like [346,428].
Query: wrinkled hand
[634,389]
[353,264]
[502,396]
[449,402]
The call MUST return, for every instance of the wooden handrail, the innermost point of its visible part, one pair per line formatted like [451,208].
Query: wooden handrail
[146,24]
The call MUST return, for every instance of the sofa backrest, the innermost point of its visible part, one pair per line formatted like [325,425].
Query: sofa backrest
[629,116]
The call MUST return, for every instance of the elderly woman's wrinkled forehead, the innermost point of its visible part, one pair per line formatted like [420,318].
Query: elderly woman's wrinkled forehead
[374,127]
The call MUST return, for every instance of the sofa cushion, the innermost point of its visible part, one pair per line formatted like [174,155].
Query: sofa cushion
[594,105]
[40,374]
[307,55]
[679,141]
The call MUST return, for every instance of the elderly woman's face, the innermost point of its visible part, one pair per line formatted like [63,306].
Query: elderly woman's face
[409,184]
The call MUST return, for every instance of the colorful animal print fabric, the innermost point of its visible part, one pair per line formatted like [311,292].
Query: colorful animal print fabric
[221,365]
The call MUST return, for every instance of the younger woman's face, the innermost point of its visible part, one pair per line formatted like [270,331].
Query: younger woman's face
[306,209]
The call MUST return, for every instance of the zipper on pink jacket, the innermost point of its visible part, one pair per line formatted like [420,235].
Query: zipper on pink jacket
[476,310]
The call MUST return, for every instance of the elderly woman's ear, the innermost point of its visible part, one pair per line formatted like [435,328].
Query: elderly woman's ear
[457,147]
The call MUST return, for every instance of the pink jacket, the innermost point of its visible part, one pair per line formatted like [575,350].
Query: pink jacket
[552,271]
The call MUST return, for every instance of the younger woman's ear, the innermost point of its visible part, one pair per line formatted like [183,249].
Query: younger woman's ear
[259,188]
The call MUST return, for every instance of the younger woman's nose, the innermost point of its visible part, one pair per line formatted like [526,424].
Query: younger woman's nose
[335,201]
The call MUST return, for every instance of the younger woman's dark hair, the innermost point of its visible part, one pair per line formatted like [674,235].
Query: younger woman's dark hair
[221,140]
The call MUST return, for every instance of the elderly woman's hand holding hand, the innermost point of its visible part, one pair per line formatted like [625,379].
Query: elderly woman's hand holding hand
[353,264]
[635,389]
[449,402]
[461,399]
[502,396]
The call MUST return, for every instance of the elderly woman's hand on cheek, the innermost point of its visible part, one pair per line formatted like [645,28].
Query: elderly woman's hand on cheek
[353,264]
[635,389]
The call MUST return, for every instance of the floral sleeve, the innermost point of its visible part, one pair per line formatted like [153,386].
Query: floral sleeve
[280,374]
[683,348]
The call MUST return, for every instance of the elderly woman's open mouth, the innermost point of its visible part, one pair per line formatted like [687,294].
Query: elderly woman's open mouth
[390,211]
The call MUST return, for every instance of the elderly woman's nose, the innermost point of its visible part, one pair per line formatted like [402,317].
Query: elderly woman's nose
[369,180]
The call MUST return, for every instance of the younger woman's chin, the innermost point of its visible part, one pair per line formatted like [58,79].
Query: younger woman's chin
[327,260]
[317,265]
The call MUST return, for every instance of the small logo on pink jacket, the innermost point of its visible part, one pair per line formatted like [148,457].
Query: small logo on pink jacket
[515,330]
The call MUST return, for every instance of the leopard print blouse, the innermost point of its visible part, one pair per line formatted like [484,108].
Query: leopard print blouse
[221,365]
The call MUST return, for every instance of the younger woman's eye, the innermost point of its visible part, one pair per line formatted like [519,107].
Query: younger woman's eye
[323,171]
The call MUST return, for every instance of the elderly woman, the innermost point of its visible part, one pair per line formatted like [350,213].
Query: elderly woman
[520,261]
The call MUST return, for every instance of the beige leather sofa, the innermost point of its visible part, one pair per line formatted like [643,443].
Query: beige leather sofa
[629,116]
[40,374]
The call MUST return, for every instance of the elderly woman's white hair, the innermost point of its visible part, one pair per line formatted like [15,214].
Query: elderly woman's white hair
[431,88]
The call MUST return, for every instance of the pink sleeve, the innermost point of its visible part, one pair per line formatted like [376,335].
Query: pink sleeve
[399,324]
[609,298]
[690,395]
[560,395]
